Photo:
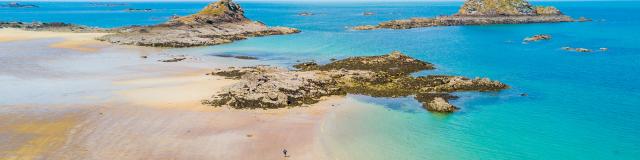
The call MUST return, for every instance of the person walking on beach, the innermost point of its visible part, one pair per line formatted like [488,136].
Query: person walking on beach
[284,151]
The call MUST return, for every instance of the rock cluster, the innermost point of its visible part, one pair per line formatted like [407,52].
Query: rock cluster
[538,38]
[482,12]
[218,23]
[379,76]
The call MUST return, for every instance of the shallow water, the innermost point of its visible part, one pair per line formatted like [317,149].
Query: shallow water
[580,105]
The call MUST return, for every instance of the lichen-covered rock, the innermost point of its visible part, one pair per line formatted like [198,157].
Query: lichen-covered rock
[217,12]
[218,23]
[496,8]
[271,87]
[549,10]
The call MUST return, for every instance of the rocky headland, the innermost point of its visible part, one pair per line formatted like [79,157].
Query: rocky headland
[482,12]
[268,87]
[218,23]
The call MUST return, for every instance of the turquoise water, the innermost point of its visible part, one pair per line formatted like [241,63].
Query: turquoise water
[580,105]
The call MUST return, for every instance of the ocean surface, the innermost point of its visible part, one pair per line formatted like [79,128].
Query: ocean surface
[579,105]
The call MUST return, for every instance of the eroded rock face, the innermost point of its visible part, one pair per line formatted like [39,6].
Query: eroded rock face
[218,23]
[482,12]
[271,87]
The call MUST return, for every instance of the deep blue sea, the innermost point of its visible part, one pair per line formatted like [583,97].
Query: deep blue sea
[579,105]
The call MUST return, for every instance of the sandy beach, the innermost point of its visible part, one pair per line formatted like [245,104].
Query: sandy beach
[139,108]
[77,41]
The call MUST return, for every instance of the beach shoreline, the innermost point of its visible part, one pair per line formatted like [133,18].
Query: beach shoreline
[84,42]
[150,112]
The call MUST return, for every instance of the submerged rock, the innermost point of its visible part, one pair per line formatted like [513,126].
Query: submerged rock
[538,38]
[218,23]
[583,19]
[305,14]
[482,12]
[379,76]
[368,13]
[236,56]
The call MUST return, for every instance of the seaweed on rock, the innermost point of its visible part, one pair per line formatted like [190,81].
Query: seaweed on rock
[378,76]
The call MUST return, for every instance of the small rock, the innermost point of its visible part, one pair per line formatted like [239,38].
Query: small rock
[143,57]
[538,38]
[604,49]
[368,13]
[439,104]
[305,14]
[582,50]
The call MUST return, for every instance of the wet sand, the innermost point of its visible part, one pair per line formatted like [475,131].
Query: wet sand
[77,41]
[127,107]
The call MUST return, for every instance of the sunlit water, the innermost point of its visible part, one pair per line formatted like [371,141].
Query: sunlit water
[580,105]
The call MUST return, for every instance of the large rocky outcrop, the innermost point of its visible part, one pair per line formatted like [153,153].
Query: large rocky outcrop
[482,12]
[218,23]
[386,76]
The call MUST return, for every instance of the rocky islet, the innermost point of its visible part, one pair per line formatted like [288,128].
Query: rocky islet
[267,87]
[482,12]
[218,23]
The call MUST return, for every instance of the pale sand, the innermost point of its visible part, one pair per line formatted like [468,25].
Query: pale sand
[84,42]
[155,113]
